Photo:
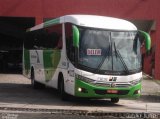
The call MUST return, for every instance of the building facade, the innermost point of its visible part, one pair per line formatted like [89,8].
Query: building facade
[144,13]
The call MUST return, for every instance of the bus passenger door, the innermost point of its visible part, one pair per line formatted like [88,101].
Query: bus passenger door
[70,53]
[70,70]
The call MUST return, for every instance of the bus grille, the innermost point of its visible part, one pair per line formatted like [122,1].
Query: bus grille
[118,85]
[104,84]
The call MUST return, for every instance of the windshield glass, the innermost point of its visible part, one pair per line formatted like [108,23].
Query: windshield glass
[108,52]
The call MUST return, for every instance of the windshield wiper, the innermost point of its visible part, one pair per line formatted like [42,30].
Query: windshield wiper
[120,57]
[107,55]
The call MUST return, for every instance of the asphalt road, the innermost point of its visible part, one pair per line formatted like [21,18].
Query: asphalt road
[19,101]
[71,116]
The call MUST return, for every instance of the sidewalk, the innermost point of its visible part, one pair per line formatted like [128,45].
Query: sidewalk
[150,86]
[150,90]
[18,96]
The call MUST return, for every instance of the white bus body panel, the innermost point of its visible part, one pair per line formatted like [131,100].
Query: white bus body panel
[105,78]
[95,21]
[36,58]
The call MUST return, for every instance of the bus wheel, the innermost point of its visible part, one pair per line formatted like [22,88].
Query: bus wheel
[114,100]
[61,89]
[35,84]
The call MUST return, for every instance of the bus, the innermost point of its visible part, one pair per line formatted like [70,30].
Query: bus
[86,56]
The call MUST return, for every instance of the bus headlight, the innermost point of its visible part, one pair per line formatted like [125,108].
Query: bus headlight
[80,89]
[82,78]
[83,90]
[135,82]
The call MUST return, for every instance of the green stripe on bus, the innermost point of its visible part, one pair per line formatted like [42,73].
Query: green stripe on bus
[51,22]
[51,60]
[147,40]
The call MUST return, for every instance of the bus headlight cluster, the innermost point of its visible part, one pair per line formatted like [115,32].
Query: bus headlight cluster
[82,90]
[82,78]
[135,82]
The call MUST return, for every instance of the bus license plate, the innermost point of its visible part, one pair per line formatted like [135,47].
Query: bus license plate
[112,91]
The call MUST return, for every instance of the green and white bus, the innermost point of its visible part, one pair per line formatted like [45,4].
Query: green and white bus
[86,56]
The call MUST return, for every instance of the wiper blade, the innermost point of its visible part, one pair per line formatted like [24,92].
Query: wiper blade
[120,57]
[107,54]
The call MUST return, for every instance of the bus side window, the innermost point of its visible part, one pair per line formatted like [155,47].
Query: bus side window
[29,41]
[37,39]
[51,40]
[69,42]
[54,35]
[46,38]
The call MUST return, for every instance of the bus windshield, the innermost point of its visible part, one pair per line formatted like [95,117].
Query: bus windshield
[109,52]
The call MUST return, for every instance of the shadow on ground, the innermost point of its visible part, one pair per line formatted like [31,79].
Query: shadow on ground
[25,94]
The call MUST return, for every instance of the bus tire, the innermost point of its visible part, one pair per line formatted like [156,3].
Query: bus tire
[63,94]
[114,100]
[35,84]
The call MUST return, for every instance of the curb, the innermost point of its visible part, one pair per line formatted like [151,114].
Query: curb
[82,113]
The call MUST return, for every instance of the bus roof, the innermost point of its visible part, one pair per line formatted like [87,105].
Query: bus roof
[93,21]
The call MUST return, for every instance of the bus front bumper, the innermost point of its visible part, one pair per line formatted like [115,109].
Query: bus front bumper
[83,89]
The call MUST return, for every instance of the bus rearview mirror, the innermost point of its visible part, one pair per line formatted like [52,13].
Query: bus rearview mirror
[147,39]
[75,36]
